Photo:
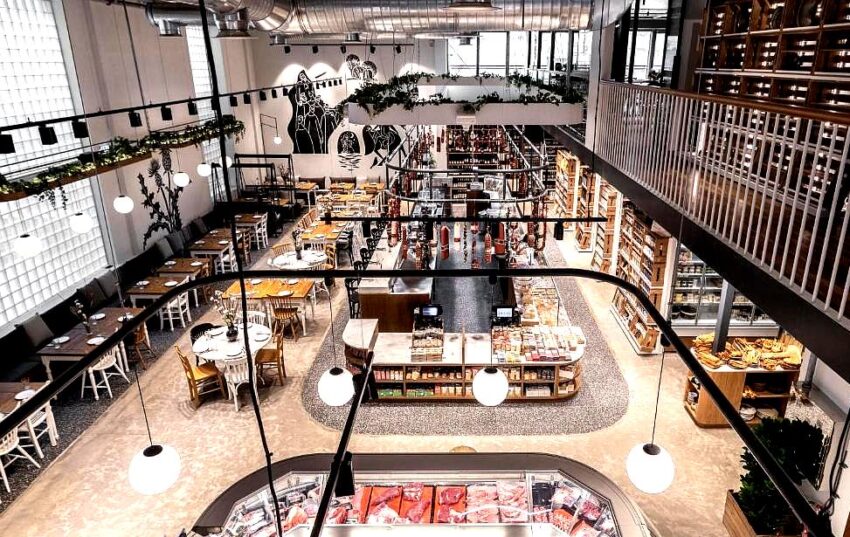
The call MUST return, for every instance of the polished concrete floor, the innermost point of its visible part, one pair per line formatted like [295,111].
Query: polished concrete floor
[85,491]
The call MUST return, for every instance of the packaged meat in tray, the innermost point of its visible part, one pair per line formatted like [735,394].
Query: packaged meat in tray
[581,529]
[513,501]
[389,497]
[482,504]
[383,514]
[450,506]
[562,519]
[590,510]
[417,502]
[567,496]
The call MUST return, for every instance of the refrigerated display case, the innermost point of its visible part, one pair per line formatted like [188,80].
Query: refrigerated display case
[474,494]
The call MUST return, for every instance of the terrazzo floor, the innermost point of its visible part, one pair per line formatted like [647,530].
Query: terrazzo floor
[84,491]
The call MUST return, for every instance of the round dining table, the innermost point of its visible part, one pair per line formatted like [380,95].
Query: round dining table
[290,261]
[229,356]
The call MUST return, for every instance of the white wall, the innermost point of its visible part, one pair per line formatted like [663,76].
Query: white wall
[272,67]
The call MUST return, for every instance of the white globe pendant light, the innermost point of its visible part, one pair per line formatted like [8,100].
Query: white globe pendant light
[277,140]
[81,223]
[123,204]
[204,169]
[650,468]
[154,469]
[336,386]
[227,162]
[27,246]
[490,386]
[181,179]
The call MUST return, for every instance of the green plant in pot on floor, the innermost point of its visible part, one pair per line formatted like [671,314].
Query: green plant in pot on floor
[798,447]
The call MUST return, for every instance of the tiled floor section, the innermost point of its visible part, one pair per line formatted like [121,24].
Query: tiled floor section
[85,491]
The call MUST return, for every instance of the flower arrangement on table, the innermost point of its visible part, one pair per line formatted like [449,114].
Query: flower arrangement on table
[228,314]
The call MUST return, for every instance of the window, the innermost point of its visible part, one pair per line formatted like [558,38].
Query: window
[33,84]
[519,51]
[492,53]
[581,50]
[68,258]
[642,55]
[545,49]
[561,56]
[462,58]
[534,51]
[203,88]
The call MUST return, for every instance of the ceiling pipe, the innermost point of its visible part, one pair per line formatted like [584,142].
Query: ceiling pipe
[405,17]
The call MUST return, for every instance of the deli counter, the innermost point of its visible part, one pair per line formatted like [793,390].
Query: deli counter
[454,494]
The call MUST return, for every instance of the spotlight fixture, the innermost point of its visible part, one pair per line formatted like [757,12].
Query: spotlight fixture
[81,223]
[263,96]
[274,93]
[343,49]
[284,91]
[181,179]
[123,204]
[28,246]
[287,49]
[398,49]
[81,130]
[166,113]
[135,119]
[372,49]
[193,108]
[336,386]
[215,104]
[7,144]
[315,49]
[246,98]
[468,6]
[234,102]
[47,135]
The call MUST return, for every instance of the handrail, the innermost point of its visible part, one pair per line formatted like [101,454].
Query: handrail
[817,526]
[842,118]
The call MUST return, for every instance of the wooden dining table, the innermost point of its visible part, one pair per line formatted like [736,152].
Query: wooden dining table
[249,223]
[305,186]
[323,232]
[342,187]
[77,346]
[155,287]
[8,391]
[191,267]
[263,290]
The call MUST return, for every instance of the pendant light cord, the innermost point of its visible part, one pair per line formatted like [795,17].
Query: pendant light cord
[333,331]
[657,399]
[142,400]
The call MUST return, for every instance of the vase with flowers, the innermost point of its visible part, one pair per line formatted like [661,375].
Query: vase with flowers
[78,311]
[228,315]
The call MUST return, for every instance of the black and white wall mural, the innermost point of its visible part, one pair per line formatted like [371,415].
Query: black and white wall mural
[312,120]
[381,140]
[358,70]
[348,151]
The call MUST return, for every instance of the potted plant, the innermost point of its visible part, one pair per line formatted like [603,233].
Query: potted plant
[757,509]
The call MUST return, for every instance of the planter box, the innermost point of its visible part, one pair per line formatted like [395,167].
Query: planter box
[736,522]
[490,114]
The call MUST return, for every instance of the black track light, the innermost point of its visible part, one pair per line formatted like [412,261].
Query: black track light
[263,96]
[193,108]
[7,144]
[234,102]
[81,130]
[246,98]
[47,135]
[287,49]
[274,93]
[343,49]
[215,104]
[284,91]
[135,119]
[166,113]
[398,49]
[315,49]
[372,49]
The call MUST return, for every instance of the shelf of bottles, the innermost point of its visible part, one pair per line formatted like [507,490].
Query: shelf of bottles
[696,296]
[794,52]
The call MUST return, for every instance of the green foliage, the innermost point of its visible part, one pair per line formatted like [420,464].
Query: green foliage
[797,446]
[120,150]
[404,91]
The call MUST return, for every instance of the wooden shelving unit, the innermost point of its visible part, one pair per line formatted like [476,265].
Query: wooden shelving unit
[609,203]
[483,147]
[793,52]
[585,208]
[644,258]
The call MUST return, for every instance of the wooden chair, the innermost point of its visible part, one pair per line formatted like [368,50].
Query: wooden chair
[280,249]
[202,379]
[330,251]
[271,357]
[285,313]
[141,346]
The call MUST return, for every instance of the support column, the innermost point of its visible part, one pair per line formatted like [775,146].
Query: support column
[724,315]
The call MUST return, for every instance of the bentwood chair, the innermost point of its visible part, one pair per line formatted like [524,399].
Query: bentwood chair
[260,239]
[281,249]
[352,287]
[202,379]
[177,309]
[271,357]
[285,313]
[10,447]
[38,424]
[110,360]
[141,347]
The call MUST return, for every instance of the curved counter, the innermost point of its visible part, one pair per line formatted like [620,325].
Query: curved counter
[477,494]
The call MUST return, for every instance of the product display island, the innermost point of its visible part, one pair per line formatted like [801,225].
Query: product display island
[468,494]
[540,362]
